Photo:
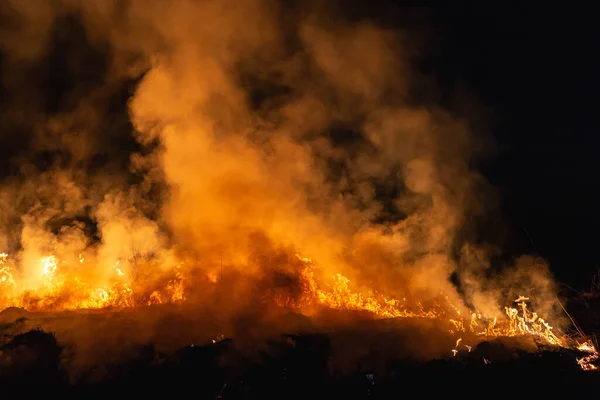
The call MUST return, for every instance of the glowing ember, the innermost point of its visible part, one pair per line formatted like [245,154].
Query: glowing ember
[586,362]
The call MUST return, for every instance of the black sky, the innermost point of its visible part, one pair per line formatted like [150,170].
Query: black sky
[535,69]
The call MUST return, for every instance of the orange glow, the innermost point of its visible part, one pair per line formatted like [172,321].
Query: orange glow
[586,361]
[248,151]
[61,289]
[343,298]
[518,321]
[64,291]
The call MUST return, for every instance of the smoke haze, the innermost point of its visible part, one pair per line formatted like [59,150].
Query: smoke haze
[205,138]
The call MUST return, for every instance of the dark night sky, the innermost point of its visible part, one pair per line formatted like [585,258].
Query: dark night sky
[535,68]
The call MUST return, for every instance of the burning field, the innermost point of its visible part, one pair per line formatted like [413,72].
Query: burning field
[207,194]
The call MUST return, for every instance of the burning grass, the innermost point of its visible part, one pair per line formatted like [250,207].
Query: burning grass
[63,296]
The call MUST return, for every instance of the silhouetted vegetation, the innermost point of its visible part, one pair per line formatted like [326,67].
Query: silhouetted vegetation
[295,366]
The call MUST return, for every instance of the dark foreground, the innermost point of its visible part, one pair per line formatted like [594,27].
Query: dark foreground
[294,367]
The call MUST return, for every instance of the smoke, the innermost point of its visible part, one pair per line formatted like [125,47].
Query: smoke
[303,168]
[216,137]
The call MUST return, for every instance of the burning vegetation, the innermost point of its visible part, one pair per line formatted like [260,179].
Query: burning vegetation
[60,293]
[248,139]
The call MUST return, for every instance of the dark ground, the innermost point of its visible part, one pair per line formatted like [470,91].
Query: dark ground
[302,372]
[297,366]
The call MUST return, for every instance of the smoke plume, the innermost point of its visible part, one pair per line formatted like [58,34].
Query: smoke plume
[222,140]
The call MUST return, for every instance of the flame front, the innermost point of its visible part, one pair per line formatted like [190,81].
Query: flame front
[586,362]
[518,321]
[59,290]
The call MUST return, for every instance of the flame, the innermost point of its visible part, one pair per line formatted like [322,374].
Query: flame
[586,362]
[49,266]
[342,297]
[64,289]
[117,269]
[6,278]
[60,290]
[519,321]
[455,349]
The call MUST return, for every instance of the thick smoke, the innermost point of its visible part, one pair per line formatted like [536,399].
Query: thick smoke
[302,167]
[258,131]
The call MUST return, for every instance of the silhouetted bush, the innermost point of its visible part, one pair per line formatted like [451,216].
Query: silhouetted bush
[33,358]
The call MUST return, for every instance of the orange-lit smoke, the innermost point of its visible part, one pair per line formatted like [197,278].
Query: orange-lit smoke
[264,132]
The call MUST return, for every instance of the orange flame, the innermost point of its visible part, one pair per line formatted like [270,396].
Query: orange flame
[62,291]
[586,362]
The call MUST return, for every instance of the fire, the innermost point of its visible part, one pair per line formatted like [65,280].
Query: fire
[6,278]
[518,320]
[61,290]
[342,297]
[455,349]
[49,266]
[65,289]
[586,363]
[521,322]
[117,269]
